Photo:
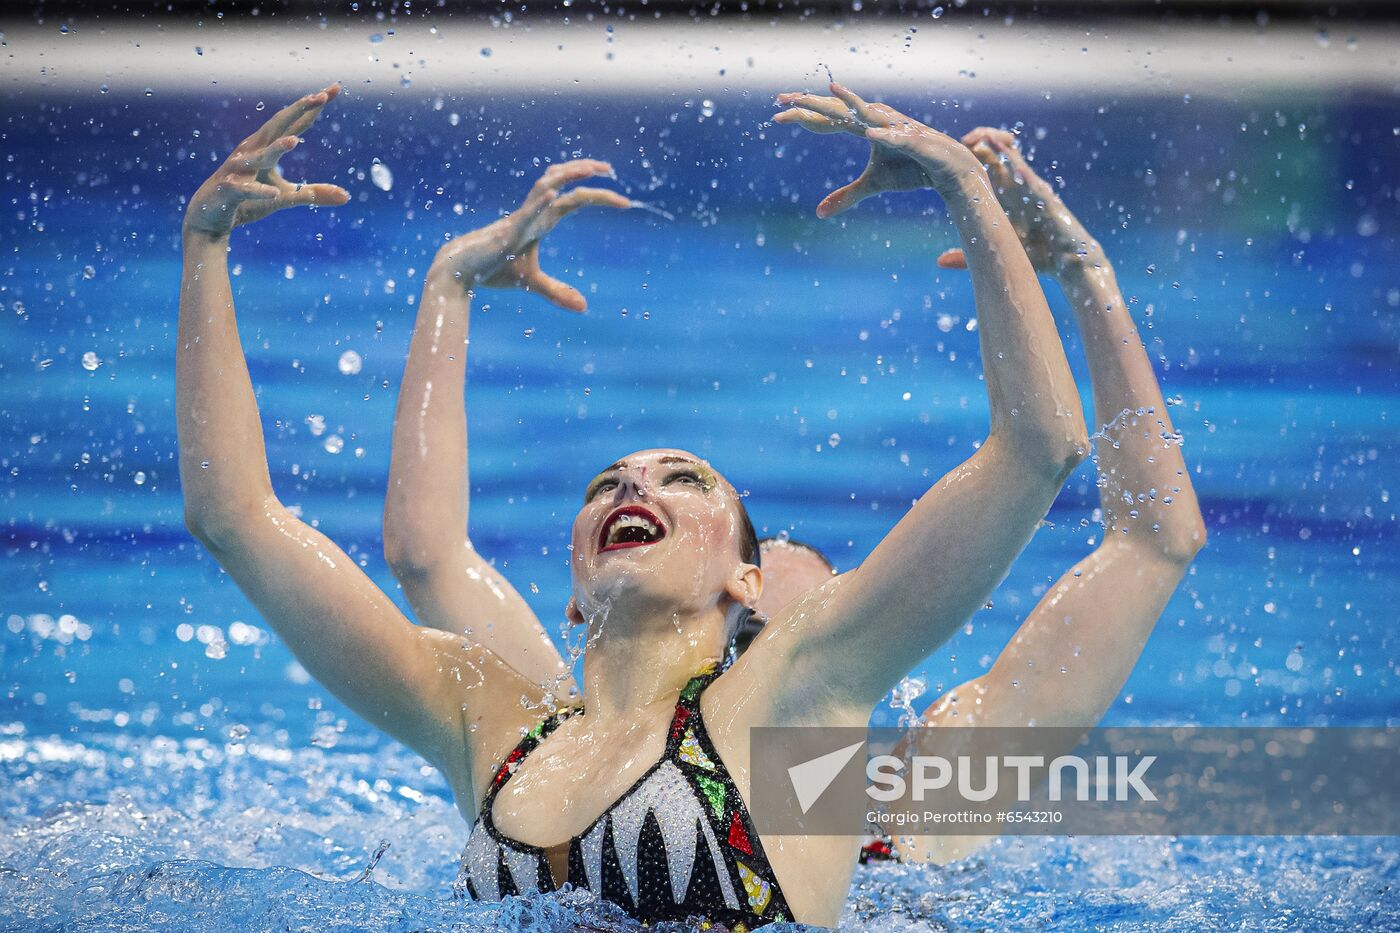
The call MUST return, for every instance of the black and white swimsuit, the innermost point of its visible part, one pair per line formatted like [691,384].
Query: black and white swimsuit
[679,844]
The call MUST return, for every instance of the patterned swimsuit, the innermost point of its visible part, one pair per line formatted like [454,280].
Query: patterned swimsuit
[679,844]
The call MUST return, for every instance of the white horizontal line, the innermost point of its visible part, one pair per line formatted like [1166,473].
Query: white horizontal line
[959,55]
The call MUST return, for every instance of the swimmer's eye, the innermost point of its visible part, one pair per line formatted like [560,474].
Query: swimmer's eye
[601,486]
[687,478]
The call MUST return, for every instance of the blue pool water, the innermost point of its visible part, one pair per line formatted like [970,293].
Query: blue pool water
[163,761]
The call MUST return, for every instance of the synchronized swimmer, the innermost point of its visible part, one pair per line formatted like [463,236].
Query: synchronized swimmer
[641,796]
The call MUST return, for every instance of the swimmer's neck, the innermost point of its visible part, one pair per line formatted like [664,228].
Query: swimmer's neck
[632,663]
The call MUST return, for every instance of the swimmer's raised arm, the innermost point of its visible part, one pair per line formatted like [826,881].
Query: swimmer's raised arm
[846,644]
[412,682]
[450,586]
[1075,650]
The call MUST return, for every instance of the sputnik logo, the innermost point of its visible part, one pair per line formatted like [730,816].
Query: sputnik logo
[811,778]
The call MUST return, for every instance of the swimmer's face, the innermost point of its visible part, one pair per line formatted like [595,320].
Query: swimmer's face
[789,570]
[664,526]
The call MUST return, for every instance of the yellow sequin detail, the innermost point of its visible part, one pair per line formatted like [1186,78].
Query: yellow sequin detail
[692,754]
[755,887]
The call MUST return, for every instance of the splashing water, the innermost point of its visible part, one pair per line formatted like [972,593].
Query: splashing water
[653,209]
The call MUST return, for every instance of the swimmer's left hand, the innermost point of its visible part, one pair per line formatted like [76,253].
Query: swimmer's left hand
[905,155]
[1053,237]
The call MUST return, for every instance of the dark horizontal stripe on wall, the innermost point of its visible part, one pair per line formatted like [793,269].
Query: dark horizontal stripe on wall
[266,10]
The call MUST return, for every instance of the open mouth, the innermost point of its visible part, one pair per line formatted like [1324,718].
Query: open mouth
[630,526]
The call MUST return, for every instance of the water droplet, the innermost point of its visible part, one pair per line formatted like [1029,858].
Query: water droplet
[349,363]
[334,444]
[90,361]
[381,176]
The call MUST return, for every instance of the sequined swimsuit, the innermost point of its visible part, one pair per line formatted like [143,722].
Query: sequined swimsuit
[678,844]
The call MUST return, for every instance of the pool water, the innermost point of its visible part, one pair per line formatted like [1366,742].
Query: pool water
[164,763]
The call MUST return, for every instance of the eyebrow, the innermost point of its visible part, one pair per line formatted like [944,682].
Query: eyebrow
[709,474]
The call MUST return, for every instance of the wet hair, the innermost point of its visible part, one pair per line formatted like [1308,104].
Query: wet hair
[751,623]
[801,546]
[750,548]
[751,553]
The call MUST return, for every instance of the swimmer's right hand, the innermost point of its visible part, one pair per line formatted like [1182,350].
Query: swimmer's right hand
[506,254]
[249,185]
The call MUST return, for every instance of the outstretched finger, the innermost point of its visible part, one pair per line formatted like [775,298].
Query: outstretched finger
[276,126]
[953,259]
[303,122]
[844,198]
[292,120]
[316,195]
[564,173]
[267,156]
[589,197]
[863,111]
[997,139]
[831,107]
[810,120]
[556,292]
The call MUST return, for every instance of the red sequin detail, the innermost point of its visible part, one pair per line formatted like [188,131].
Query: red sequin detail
[877,851]
[738,838]
[678,723]
[511,759]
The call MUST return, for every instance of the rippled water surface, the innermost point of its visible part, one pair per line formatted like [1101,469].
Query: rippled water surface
[165,764]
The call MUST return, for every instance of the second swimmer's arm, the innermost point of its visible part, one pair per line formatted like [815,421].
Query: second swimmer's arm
[450,586]
[426,543]
[1074,651]
[861,632]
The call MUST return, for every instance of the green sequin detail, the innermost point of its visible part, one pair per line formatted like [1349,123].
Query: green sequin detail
[714,792]
[692,689]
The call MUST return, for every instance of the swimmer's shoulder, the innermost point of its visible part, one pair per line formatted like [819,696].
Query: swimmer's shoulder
[497,703]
